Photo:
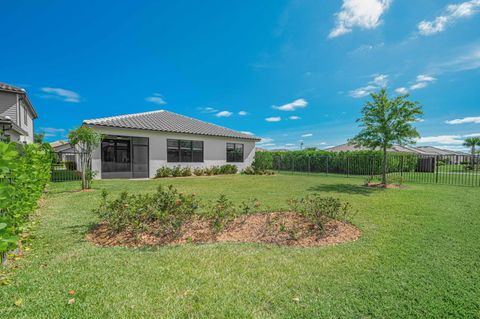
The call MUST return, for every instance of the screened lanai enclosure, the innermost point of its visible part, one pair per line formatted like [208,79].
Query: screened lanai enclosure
[124,157]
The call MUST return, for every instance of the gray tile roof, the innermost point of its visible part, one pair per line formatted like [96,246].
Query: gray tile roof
[166,121]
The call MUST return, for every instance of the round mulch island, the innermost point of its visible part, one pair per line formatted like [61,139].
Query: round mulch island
[281,228]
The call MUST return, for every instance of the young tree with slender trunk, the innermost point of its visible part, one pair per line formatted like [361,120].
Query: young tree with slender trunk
[85,140]
[386,122]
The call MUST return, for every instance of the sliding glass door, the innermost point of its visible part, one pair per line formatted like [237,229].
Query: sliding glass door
[124,157]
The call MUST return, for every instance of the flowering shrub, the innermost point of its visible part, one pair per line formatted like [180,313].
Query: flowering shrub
[24,172]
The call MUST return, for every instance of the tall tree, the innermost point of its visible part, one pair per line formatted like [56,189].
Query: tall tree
[472,142]
[386,122]
[85,140]
[38,138]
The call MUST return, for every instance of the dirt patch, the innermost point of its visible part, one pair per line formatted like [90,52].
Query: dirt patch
[274,228]
[380,185]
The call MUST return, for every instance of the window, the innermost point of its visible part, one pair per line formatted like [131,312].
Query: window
[234,152]
[115,155]
[184,151]
[25,115]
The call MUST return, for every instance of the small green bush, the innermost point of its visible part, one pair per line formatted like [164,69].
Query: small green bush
[164,172]
[320,209]
[198,171]
[177,171]
[186,171]
[220,213]
[250,170]
[166,206]
[228,169]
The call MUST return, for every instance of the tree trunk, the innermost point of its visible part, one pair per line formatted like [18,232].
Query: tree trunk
[84,177]
[384,166]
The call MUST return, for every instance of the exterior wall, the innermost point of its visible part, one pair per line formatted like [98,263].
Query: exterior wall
[29,126]
[11,106]
[8,105]
[214,149]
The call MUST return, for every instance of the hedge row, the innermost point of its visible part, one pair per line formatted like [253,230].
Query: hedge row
[24,172]
[354,162]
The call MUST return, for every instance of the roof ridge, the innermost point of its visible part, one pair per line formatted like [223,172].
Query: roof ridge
[116,117]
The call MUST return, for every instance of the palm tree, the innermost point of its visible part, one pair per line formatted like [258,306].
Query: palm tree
[472,142]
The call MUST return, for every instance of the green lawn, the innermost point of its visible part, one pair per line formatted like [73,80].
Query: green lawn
[419,256]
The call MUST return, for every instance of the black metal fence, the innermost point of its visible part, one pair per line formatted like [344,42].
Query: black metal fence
[438,169]
[66,167]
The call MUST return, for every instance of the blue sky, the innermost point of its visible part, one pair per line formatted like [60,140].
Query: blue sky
[286,71]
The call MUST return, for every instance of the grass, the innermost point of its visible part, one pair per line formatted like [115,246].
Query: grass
[418,257]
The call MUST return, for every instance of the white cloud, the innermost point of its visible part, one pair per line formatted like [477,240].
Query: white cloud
[157,98]
[379,81]
[441,139]
[363,91]
[224,114]
[463,62]
[247,132]
[472,135]
[62,94]
[307,135]
[364,14]
[453,12]
[207,109]
[418,86]
[52,130]
[242,113]
[292,106]
[294,117]
[425,78]
[273,119]
[401,90]
[465,120]
[266,145]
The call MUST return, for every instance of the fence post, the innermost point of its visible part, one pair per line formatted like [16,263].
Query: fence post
[435,165]
[401,166]
[348,166]
[309,164]
[327,164]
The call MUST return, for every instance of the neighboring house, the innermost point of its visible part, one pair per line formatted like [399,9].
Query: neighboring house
[419,150]
[16,114]
[136,145]
[64,150]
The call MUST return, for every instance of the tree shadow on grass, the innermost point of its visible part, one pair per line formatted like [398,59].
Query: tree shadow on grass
[345,188]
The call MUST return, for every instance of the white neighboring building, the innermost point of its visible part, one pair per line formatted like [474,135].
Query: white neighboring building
[136,145]
[16,114]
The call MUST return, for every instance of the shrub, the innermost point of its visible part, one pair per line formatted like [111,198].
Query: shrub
[186,171]
[198,171]
[177,171]
[252,171]
[319,209]
[220,213]
[228,169]
[167,207]
[164,172]
[319,161]
[24,172]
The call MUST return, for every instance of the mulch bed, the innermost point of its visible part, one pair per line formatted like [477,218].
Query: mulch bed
[281,228]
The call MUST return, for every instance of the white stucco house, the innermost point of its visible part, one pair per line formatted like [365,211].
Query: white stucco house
[16,114]
[136,145]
